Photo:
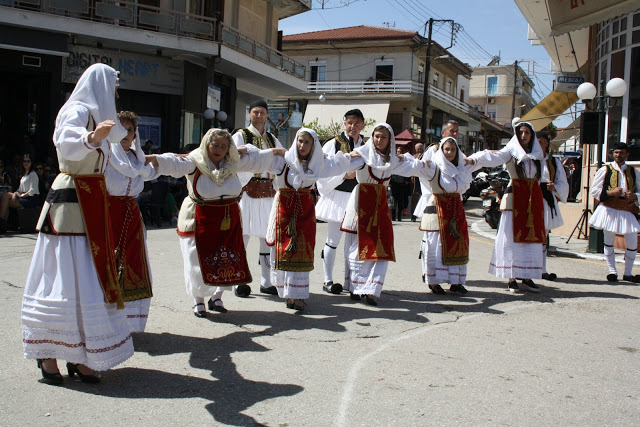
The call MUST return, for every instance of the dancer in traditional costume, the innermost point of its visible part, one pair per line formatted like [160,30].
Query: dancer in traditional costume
[616,187]
[334,196]
[554,188]
[72,307]
[445,249]
[517,252]
[367,219]
[125,176]
[258,194]
[292,223]
[209,223]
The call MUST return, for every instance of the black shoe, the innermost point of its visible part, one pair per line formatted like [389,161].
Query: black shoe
[332,288]
[72,368]
[370,301]
[512,286]
[528,285]
[612,277]
[549,276]
[354,297]
[213,307]
[271,290]
[632,279]
[290,304]
[437,289]
[458,288]
[199,313]
[47,378]
[243,291]
[298,305]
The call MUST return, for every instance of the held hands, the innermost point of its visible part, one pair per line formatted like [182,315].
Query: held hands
[279,151]
[354,154]
[101,132]
[468,161]
[349,175]
[151,158]
[616,192]
[551,186]
[630,196]
[242,150]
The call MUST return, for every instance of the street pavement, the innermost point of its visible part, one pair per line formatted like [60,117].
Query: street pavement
[566,356]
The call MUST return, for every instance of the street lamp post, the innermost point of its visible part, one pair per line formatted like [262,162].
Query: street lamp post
[588,93]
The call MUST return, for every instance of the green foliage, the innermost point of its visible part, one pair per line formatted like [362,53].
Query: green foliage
[330,131]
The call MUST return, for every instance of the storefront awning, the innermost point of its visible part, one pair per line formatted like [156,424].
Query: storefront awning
[567,15]
[333,110]
[549,108]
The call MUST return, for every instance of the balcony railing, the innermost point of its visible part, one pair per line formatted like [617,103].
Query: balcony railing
[388,87]
[180,24]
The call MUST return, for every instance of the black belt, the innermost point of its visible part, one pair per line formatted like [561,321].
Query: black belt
[260,179]
[430,209]
[62,195]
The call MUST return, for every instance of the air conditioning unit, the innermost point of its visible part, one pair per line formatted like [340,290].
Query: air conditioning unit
[491,100]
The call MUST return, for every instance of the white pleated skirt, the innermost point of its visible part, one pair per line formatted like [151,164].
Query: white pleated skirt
[137,314]
[255,215]
[434,271]
[330,208]
[614,220]
[366,277]
[552,221]
[192,274]
[64,314]
[514,260]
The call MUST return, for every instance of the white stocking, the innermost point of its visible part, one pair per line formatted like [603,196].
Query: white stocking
[609,254]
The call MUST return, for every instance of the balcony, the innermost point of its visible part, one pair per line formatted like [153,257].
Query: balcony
[390,87]
[126,14]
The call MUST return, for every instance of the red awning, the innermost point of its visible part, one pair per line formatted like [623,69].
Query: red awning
[406,137]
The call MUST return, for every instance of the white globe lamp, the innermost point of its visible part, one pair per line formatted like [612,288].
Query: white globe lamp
[209,114]
[221,116]
[586,91]
[616,87]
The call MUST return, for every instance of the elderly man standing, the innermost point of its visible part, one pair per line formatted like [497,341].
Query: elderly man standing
[335,193]
[258,194]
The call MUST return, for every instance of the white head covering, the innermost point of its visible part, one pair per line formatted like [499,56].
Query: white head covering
[228,166]
[123,163]
[518,151]
[371,156]
[305,169]
[96,91]
[458,170]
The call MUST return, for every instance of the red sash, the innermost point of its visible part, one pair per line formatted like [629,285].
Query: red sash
[375,231]
[454,235]
[295,230]
[218,235]
[127,234]
[528,212]
[92,197]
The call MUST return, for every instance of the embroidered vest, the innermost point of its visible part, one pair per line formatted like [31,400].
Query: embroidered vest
[429,221]
[345,145]
[612,179]
[250,137]
[516,171]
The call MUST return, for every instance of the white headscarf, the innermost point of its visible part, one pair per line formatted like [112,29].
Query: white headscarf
[96,91]
[305,169]
[371,156]
[518,151]
[123,163]
[458,170]
[228,166]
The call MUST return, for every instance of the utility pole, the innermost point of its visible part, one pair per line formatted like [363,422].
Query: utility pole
[515,87]
[427,70]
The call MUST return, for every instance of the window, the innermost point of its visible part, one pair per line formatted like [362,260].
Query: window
[492,112]
[436,76]
[384,72]
[420,73]
[461,95]
[318,71]
[449,87]
[492,85]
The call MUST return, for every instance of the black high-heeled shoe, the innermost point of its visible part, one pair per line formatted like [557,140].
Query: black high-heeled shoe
[47,378]
[72,368]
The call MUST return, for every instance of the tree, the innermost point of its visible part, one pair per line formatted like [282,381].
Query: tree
[333,129]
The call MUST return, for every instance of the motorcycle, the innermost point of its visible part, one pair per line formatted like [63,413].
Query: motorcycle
[479,183]
[492,196]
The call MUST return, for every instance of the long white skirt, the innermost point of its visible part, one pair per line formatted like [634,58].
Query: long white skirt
[330,208]
[434,271]
[367,277]
[255,215]
[64,315]
[192,273]
[290,284]
[614,220]
[514,260]
[137,314]
[552,221]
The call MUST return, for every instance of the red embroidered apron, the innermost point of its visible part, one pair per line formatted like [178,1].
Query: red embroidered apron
[528,212]
[454,234]
[375,230]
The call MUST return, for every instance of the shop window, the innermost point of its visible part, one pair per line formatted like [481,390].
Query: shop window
[617,65]
[633,114]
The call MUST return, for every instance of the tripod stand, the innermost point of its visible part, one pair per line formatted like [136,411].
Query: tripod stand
[582,222]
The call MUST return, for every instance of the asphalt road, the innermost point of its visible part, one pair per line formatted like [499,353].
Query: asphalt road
[566,356]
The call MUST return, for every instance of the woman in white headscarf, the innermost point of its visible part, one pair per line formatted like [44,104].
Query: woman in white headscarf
[367,219]
[445,245]
[72,305]
[125,178]
[292,223]
[209,223]
[517,252]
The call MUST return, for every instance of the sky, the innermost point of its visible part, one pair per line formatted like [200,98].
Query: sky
[488,28]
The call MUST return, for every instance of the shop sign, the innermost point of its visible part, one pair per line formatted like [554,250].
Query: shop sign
[568,82]
[140,72]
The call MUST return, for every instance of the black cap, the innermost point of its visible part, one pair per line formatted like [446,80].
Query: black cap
[620,146]
[354,113]
[259,103]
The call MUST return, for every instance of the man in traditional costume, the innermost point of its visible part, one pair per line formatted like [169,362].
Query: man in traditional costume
[292,223]
[615,187]
[554,188]
[72,307]
[335,193]
[259,191]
